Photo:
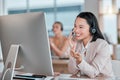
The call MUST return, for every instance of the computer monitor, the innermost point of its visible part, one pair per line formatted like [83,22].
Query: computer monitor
[29,31]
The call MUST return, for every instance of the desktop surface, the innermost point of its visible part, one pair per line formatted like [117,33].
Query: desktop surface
[67,77]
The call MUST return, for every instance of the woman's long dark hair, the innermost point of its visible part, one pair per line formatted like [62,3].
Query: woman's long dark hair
[93,23]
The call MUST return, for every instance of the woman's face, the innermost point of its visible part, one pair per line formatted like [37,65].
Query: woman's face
[81,29]
[57,28]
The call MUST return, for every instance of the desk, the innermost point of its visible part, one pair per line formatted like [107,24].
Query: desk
[60,65]
[67,77]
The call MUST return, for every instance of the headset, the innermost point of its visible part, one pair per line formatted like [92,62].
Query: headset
[93,29]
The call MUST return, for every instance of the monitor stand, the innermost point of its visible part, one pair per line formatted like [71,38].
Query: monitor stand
[9,67]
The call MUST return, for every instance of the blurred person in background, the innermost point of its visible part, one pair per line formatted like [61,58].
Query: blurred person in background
[58,40]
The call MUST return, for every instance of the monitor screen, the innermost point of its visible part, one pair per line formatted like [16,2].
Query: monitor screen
[29,31]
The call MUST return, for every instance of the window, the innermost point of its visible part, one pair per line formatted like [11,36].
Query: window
[64,11]
[109,19]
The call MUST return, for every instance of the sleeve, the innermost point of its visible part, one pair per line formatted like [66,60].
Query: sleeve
[98,63]
[72,68]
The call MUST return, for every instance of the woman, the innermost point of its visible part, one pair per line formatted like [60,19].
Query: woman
[89,51]
[90,55]
[58,39]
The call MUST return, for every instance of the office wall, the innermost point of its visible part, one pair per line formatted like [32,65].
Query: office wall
[1,7]
[92,6]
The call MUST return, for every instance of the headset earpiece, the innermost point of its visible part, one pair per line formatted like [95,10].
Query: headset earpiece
[92,30]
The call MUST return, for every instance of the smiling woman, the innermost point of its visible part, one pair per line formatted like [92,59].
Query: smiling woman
[91,53]
[88,52]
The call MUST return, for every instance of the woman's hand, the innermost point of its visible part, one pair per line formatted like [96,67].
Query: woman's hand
[71,41]
[51,42]
[76,55]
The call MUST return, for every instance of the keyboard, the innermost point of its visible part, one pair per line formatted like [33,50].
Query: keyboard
[25,78]
[33,77]
[66,78]
[29,77]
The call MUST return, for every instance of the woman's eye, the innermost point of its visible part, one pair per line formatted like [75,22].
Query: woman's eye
[80,27]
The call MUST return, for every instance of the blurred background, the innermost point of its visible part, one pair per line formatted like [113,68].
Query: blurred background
[65,11]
